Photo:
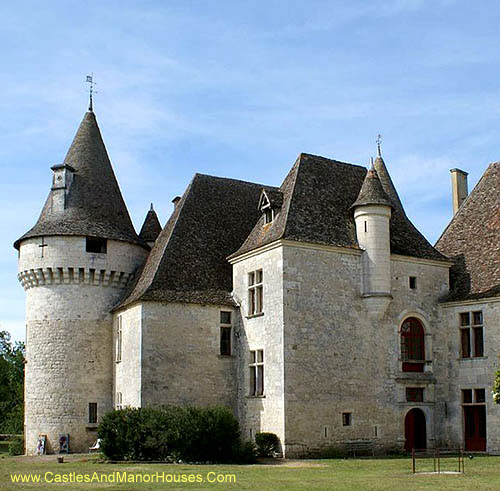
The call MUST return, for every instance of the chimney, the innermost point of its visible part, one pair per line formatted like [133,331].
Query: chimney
[176,200]
[458,188]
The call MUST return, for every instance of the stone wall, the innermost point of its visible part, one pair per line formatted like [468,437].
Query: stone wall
[338,359]
[128,371]
[69,334]
[261,332]
[473,373]
[181,361]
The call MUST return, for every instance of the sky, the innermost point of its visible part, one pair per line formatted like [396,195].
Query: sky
[239,89]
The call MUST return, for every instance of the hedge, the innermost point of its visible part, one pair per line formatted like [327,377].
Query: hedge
[171,433]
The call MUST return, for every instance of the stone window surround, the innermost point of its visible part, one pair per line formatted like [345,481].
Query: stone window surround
[119,401]
[427,340]
[256,374]
[471,327]
[255,293]
[226,326]
[93,415]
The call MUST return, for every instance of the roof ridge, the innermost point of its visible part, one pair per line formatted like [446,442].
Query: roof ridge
[298,162]
[198,174]
[331,160]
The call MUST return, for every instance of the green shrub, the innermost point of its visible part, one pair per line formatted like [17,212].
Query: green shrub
[171,434]
[267,444]
[246,453]
[496,388]
[16,446]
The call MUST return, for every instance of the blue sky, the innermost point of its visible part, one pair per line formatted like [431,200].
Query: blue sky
[239,89]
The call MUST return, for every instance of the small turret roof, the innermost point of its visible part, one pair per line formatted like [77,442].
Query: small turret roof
[94,204]
[386,181]
[151,227]
[371,192]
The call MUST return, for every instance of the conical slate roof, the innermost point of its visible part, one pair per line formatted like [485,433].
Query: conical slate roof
[151,227]
[94,205]
[386,181]
[371,192]
[472,240]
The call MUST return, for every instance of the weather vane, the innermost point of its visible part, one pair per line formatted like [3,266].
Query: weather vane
[379,141]
[90,81]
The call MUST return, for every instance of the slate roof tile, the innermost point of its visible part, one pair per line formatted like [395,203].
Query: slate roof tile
[472,240]
[94,205]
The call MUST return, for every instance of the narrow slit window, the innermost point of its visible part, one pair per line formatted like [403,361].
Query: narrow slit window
[225,333]
[346,419]
[92,412]
[413,282]
[119,339]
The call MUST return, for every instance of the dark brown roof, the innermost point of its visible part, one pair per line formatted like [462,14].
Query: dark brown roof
[387,184]
[317,198]
[371,192]
[188,261]
[94,205]
[275,197]
[472,239]
[151,227]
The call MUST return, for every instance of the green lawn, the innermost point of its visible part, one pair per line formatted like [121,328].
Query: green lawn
[353,474]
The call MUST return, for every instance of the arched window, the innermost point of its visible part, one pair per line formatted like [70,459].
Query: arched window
[412,345]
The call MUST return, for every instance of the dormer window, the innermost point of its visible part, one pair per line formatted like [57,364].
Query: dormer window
[269,204]
[268,215]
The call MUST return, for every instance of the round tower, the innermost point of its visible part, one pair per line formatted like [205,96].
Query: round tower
[372,215]
[75,265]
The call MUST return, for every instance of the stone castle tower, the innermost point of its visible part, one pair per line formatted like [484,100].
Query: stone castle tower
[74,265]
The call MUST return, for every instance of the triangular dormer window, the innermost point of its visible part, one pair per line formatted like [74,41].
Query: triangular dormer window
[266,208]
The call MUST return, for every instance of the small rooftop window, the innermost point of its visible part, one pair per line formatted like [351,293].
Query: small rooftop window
[96,245]
[268,215]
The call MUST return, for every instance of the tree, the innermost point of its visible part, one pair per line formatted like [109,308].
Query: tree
[496,388]
[11,384]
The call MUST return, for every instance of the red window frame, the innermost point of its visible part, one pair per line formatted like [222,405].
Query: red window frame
[413,345]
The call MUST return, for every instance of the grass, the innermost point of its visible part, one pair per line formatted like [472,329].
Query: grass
[352,474]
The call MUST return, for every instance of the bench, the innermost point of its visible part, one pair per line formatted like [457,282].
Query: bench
[360,446]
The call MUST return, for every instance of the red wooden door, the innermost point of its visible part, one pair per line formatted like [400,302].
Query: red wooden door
[475,428]
[415,430]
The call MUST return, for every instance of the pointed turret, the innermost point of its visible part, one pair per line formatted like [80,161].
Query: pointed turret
[85,198]
[151,227]
[386,181]
[372,192]
[75,265]
[372,214]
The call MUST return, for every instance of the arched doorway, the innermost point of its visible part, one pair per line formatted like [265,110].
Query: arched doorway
[415,430]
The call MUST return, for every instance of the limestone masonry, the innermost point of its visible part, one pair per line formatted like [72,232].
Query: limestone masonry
[315,310]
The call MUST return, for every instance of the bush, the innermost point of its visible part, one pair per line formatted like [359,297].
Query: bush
[16,446]
[267,444]
[171,434]
[496,388]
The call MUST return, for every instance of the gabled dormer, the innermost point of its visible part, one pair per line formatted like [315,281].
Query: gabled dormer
[270,203]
